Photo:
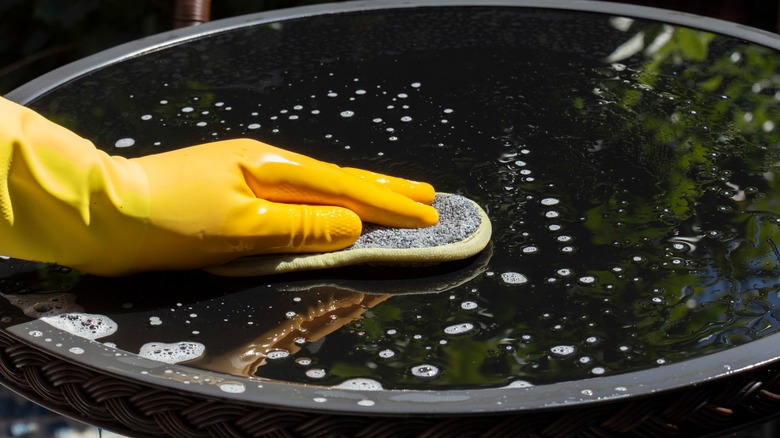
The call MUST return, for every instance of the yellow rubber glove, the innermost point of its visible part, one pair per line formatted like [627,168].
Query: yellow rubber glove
[64,201]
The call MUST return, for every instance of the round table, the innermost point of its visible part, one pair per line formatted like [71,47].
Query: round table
[626,156]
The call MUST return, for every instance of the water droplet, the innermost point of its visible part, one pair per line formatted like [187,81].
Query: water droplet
[155,320]
[519,384]
[425,371]
[514,278]
[187,109]
[563,272]
[233,388]
[76,350]
[562,350]
[253,126]
[530,249]
[386,354]
[315,373]
[468,305]
[459,329]
[278,354]
[550,201]
[360,384]
[347,113]
[366,403]
[124,142]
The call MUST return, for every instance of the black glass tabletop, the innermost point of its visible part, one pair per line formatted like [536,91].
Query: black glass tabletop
[627,159]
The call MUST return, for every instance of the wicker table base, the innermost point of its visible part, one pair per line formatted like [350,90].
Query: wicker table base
[140,410]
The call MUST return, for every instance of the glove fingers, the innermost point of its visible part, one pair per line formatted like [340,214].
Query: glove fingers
[418,191]
[268,227]
[317,183]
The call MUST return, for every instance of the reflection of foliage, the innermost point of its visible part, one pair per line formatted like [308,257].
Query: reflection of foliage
[707,116]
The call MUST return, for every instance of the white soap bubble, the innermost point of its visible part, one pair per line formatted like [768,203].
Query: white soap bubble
[360,384]
[468,305]
[38,306]
[173,352]
[459,329]
[562,350]
[83,325]
[514,278]
[278,355]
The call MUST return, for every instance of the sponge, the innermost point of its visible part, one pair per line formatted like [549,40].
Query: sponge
[463,230]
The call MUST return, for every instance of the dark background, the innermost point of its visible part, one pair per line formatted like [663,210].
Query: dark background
[37,36]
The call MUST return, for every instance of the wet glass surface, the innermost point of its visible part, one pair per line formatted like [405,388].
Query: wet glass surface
[628,167]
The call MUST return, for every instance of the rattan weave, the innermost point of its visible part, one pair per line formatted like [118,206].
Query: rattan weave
[140,410]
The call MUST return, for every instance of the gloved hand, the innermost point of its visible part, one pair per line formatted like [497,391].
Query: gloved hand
[64,201]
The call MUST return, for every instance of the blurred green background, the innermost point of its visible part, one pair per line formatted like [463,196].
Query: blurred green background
[37,36]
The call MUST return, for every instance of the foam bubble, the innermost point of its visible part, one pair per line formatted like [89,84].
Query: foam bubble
[278,355]
[38,306]
[233,388]
[83,325]
[459,329]
[562,350]
[468,305]
[514,278]
[173,352]
[360,384]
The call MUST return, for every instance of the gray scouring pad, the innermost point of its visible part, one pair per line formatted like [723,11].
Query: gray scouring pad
[463,230]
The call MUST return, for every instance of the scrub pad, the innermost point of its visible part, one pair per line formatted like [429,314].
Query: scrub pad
[463,230]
